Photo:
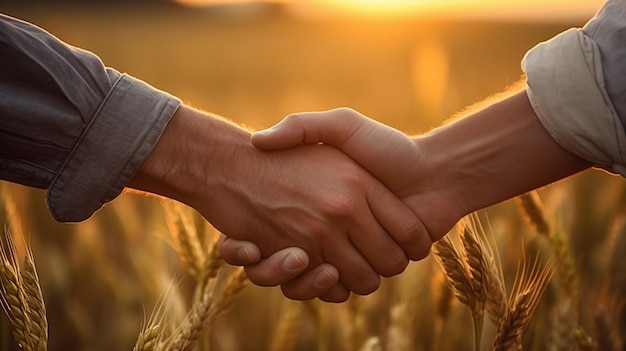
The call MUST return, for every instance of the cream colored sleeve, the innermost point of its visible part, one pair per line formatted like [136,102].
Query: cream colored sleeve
[567,91]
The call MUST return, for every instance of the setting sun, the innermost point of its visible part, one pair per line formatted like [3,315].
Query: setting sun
[534,9]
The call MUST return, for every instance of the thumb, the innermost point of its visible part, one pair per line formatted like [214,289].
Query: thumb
[283,135]
[329,127]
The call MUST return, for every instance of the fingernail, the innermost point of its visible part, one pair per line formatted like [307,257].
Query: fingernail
[292,262]
[323,279]
[244,255]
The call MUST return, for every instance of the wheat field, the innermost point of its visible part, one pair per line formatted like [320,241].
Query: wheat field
[541,272]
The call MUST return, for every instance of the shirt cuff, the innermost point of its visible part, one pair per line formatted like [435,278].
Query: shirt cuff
[567,92]
[120,136]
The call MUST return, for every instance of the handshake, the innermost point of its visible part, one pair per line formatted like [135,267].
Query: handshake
[325,203]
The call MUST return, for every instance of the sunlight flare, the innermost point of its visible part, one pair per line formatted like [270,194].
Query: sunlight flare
[529,9]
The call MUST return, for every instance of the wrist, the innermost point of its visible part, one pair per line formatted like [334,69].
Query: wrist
[192,159]
[497,153]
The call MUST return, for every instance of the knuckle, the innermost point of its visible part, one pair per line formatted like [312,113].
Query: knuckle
[423,252]
[316,232]
[342,206]
[259,278]
[367,284]
[336,296]
[410,231]
[345,111]
[295,295]
[395,265]
[293,117]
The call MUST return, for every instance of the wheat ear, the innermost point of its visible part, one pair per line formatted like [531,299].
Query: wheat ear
[456,273]
[186,238]
[235,284]
[527,289]
[535,213]
[192,326]
[477,267]
[559,242]
[22,299]
[496,299]
[153,331]
[34,298]
[212,264]
[469,271]
[459,271]
[205,310]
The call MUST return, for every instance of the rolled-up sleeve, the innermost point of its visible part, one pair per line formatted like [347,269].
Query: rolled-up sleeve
[69,124]
[576,85]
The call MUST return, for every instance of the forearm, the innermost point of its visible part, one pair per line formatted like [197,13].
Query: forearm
[495,154]
[194,156]
[70,124]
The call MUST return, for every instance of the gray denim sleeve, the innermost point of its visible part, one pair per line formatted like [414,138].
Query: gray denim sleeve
[577,89]
[69,124]
[608,30]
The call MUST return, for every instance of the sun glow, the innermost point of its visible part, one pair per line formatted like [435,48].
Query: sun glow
[534,9]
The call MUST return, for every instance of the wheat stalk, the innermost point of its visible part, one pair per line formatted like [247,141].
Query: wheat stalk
[234,286]
[496,299]
[527,289]
[286,330]
[204,311]
[14,303]
[192,326]
[398,339]
[566,273]
[34,298]
[372,344]
[456,273]
[561,326]
[535,213]
[21,298]
[186,238]
[357,330]
[472,273]
[149,338]
[152,332]
[460,280]
[559,243]
[212,264]
[604,333]
[475,261]
[443,299]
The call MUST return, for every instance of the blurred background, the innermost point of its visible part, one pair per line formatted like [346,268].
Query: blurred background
[409,64]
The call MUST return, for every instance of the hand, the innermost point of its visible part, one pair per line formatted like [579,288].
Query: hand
[312,197]
[388,154]
[485,158]
[398,161]
[284,266]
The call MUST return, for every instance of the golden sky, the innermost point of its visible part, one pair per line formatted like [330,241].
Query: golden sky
[532,9]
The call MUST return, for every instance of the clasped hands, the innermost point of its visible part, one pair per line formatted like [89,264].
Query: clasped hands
[392,214]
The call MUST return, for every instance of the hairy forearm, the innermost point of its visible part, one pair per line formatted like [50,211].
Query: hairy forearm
[193,146]
[497,153]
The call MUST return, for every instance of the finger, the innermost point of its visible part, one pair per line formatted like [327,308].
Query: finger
[400,222]
[380,249]
[355,272]
[279,268]
[237,252]
[331,127]
[365,140]
[321,280]
[337,293]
